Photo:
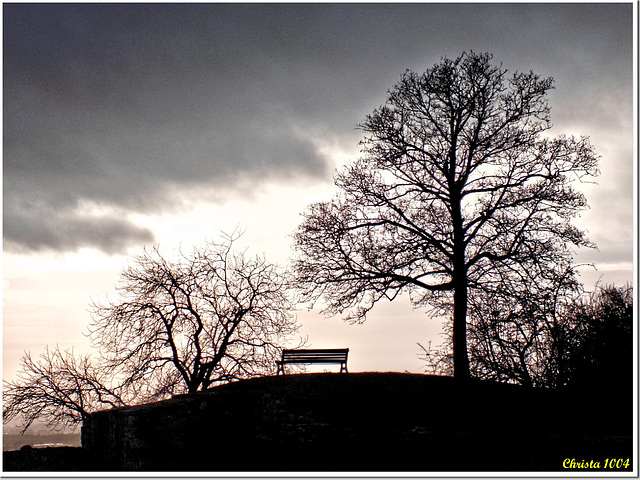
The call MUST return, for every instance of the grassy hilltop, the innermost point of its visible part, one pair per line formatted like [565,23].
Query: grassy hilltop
[358,422]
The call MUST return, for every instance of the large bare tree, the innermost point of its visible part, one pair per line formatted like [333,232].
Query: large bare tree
[457,185]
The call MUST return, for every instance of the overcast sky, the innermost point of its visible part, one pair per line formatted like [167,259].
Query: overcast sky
[130,125]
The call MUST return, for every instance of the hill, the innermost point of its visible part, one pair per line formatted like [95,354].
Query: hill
[361,422]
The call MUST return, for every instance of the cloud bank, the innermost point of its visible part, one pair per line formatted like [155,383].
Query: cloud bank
[129,107]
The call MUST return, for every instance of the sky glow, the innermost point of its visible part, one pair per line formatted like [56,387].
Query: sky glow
[133,125]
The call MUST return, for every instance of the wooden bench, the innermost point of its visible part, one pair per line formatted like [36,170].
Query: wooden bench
[332,355]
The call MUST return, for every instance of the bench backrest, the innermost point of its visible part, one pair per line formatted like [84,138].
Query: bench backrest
[315,355]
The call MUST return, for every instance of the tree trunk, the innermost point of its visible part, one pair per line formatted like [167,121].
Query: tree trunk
[460,357]
[460,289]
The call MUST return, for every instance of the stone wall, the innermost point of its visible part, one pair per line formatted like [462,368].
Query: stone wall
[184,433]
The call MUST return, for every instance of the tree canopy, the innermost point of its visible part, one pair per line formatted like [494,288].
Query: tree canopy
[212,316]
[457,190]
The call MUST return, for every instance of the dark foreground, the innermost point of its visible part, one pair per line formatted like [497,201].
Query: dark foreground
[354,422]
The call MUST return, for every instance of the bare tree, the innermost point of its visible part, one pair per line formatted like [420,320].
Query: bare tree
[60,388]
[546,332]
[181,326]
[456,186]
[518,331]
[178,326]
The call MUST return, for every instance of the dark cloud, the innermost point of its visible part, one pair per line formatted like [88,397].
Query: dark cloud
[43,229]
[120,105]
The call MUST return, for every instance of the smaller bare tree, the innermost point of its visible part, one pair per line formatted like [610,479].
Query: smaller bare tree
[58,387]
[540,328]
[178,326]
[519,326]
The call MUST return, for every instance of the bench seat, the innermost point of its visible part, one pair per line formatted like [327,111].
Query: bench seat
[314,356]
